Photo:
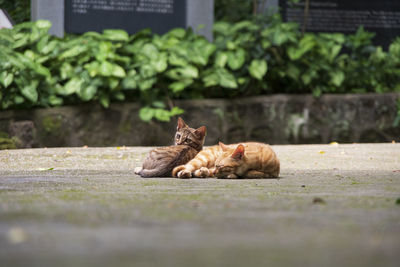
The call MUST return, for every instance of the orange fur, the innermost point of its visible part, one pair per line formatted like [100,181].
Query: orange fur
[247,160]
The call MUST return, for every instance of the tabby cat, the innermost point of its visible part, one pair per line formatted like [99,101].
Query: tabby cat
[246,160]
[161,161]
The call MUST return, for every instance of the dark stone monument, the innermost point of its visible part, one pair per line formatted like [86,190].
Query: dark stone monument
[381,17]
[94,15]
[79,16]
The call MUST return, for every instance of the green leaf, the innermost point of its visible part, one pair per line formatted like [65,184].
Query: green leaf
[29,91]
[334,52]
[306,78]
[40,69]
[150,51]
[180,85]
[187,71]
[221,59]
[73,52]
[19,100]
[116,35]
[265,44]
[67,71]
[72,86]
[42,43]
[211,79]
[21,42]
[147,83]
[92,67]
[106,68]
[6,78]
[118,71]
[43,24]
[258,68]
[146,113]
[293,71]
[55,101]
[317,92]
[231,45]
[129,83]
[177,33]
[158,104]
[109,69]
[305,45]
[222,28]
[242,80]
[104,101]
[113,83]
[176,111]
[119,96]
[337,77]
[147,71]
[226,79]
[177,60]
[160,64]
[87,93]
[220,76]
[45,47]
[236,59]
[162,114]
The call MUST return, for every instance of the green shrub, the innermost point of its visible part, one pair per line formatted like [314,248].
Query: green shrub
[261,56]
[19,10]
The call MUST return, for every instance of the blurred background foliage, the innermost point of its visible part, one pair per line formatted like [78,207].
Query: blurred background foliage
[254,56]
[19,10]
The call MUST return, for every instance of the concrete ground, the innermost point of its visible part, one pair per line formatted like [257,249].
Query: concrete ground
[334,205]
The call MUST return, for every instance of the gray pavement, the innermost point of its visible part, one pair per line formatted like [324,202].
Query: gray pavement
[334,205]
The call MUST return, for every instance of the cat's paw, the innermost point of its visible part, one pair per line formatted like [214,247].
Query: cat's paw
[203,172]
[184,174]
[138,170]
[177,170]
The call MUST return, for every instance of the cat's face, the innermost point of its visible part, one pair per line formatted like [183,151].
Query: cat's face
[189,136]
[230,161]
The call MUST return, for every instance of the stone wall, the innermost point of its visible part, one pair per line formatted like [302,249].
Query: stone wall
[277,119]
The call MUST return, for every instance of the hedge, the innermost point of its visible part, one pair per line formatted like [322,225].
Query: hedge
[252,57]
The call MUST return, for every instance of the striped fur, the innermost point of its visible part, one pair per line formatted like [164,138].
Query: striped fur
[246,160]
[161,161]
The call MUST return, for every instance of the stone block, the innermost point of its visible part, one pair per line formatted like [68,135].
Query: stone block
[52,10]
[276,119]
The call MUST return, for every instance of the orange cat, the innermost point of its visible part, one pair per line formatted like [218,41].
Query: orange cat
[247,160]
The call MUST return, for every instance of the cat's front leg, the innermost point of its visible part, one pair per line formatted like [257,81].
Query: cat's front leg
[203,172]
[181,172]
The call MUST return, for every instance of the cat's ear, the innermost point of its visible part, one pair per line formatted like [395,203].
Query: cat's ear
[181,124]
[201,132]
[239,152]
[223,146]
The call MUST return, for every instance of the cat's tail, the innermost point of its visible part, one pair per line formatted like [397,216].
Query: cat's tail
[153,173]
